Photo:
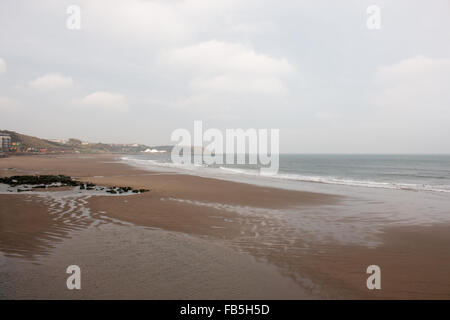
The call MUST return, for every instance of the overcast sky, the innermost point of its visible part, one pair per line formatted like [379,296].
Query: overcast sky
[137,70]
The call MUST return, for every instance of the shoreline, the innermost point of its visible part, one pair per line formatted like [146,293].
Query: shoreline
[284,179]
[250,220]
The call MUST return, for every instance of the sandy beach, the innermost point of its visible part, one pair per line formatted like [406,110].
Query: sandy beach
[192,237]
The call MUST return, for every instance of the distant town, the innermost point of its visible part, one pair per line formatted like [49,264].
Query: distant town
[13,143]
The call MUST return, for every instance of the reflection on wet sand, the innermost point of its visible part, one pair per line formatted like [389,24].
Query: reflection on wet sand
[121,260]
[34,222]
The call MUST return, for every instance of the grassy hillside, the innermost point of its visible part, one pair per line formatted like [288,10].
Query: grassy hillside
[72,145]
[34,142]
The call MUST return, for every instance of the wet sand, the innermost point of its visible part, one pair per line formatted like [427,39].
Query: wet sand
[193,237]
[123,262]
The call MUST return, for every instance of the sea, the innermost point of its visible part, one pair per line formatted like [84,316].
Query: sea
[422,173]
